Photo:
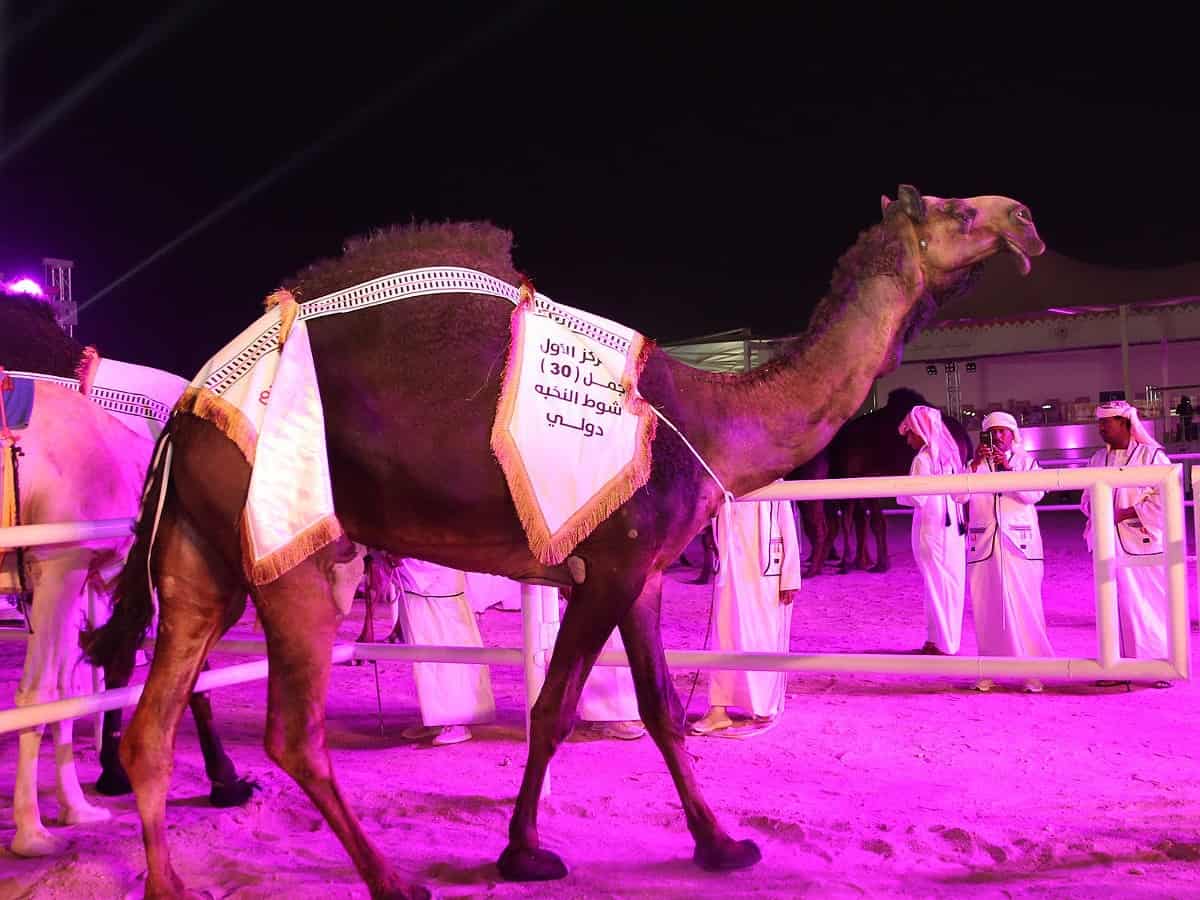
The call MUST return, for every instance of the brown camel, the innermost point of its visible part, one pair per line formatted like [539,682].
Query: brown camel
[870,445]
[410,391]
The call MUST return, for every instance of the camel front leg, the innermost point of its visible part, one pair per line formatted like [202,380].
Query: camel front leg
[588,622]
[879,531]
[113,782]
[73,807]
[815,526]
[371,582]
[663,714]
[31,838]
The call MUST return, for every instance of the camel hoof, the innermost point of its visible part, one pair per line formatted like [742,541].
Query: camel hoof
[84,815]
[525,864]
[113,782]
[231,793]
[727,856]
[35,842]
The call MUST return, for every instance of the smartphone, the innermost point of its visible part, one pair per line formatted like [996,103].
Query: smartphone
[985,440]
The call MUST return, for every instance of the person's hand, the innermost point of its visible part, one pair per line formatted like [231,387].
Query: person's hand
[999,463]
[786,597]
[981,453]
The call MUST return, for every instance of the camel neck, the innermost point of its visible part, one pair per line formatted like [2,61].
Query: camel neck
[774,419]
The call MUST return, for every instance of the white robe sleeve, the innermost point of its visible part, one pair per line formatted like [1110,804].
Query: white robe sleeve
[1149,505]
[920,466]
[1025,463]
[790,576]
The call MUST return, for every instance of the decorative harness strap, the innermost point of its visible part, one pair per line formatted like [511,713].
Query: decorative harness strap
[387,289]
[114,400]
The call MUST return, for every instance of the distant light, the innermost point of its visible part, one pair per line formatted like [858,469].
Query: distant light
[1062,312]
[25,286]
[971,366]
[931,370]
[1047,406]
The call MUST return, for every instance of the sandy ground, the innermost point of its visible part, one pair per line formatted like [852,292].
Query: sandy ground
[870,786]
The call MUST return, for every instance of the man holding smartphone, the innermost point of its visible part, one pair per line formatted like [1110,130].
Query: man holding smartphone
[1004,554]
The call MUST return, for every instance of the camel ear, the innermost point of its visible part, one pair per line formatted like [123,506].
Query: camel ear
[884,203]
[911,202]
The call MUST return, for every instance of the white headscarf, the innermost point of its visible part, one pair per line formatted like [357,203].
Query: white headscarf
[1119,408]
[1000,419]
[926,423]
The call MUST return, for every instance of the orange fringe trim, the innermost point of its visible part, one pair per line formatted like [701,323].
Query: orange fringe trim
[288,308]
[552,549]
[229,420]
[234,424]
[85,371]
[280,562]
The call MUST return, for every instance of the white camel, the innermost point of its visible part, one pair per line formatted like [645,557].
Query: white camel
[78,463]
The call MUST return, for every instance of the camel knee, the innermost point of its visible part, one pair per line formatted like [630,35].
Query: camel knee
[43,690]
[662,718]
[548,727]
[144,759]
[303,760]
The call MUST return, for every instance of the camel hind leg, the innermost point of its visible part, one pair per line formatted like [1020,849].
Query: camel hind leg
[196,592]
[663,714]
[299,619]
[50,657]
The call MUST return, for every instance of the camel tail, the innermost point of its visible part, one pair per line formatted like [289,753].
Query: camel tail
[114,645]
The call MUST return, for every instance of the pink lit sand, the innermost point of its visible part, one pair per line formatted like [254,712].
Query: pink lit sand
[870,786]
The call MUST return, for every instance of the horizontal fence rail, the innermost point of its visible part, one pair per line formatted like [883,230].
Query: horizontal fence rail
[540,604]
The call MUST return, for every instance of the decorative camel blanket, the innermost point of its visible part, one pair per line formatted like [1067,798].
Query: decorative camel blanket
[571,435]
[141,397]
[571,432]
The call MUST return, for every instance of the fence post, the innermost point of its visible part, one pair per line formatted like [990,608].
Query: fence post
[1104,572]
[97,672]
[535,603]
[1178,641]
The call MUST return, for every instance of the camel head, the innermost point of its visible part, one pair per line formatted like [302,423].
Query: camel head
[955,235]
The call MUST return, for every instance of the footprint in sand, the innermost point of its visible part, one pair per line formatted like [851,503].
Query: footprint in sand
[879,846]
[958,839]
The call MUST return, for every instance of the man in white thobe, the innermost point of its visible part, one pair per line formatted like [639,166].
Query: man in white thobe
[1004,554]
[437,608]
[1142,607]
[493,591]
[433,609]
[937,530]
[758,576]
[609,699]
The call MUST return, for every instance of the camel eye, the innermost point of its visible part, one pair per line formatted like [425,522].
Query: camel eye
[1021,214]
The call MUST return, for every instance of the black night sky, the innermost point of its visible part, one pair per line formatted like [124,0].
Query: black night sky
[683,168]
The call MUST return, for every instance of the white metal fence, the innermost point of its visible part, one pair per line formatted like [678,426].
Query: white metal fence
[540,604]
